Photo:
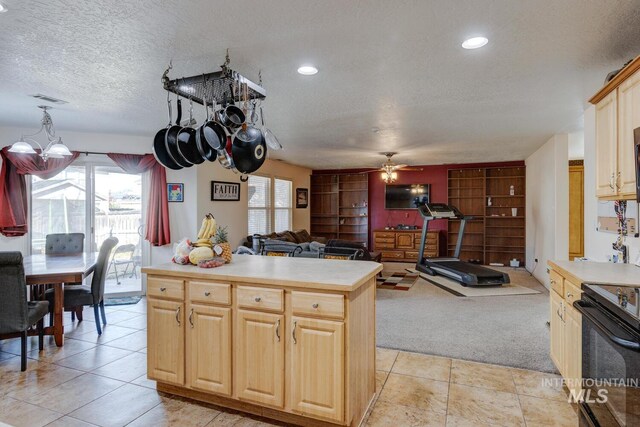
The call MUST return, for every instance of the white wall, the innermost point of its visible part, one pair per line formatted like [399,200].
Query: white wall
[576,145]
[547,229]
[597,245]
[184,217]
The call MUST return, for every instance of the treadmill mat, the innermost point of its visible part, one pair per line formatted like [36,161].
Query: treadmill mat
[466,267]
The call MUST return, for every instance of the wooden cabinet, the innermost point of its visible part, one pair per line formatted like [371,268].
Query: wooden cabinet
[317,368]
[286,349]
[259,350]
[617,115]
[404,245]
[566,330]
[576,209]
[165,341]
[209,348]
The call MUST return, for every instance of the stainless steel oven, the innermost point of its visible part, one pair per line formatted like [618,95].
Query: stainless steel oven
[610,356]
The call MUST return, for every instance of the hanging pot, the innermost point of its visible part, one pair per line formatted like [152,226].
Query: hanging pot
[187,141]
[159,147]
[171,140]
[211,132]
[269,137]
[224,155]
[231,116]
[205,150]
[249,156]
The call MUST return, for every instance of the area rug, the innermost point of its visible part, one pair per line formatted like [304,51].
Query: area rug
[458,290]
[397,281]
[122,300]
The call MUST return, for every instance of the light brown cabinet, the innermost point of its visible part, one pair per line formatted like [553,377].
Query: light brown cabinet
[299,354]
[404,245]
[259,350]
[317,366]
[617,115]
[165,335]
[565,330]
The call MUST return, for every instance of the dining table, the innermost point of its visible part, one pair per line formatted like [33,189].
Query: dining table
[58,270]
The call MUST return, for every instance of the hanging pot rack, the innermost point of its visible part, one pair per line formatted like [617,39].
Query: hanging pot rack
[215,86]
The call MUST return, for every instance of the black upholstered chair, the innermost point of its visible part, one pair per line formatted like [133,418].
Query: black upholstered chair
[338,252]
[80,296]
[64,243]
[17,314]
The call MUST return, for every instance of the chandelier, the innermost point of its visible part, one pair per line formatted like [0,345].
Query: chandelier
[389,175]
[54,148]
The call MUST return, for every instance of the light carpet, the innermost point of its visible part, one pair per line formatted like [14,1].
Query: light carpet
[457,289]
[400,281]
[509,330]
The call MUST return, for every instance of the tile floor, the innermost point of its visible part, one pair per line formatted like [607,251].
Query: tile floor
[102,381]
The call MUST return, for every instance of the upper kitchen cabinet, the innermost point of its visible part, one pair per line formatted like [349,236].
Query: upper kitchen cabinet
[617,115]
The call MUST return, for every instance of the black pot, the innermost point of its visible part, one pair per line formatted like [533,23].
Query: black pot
[231,117]
[159,148]
[250,152]
[187,146]
[171,141]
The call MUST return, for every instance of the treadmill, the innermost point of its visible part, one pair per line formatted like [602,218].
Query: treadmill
[465,273]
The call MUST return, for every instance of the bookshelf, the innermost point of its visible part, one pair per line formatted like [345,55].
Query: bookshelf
[495,235]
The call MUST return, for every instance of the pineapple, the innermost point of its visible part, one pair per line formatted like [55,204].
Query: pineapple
[221,246]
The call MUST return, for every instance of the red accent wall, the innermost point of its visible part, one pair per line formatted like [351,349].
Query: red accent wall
[435,175]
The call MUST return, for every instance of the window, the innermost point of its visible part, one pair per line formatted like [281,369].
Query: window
[259,202]
[269,211]
[282,204]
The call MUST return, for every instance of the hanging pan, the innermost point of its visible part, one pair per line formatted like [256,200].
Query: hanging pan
[231,116]
[160,149]
[249,149]
[171,140]
[212,133]
[187,141]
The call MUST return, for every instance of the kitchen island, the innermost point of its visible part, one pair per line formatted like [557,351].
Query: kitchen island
[290,339]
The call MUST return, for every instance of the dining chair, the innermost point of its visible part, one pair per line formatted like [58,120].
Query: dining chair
[123,255]
[60,244]
[17,314]
[79,296]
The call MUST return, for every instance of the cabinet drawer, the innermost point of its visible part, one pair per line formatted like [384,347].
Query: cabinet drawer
[261,298]
[557,282]
[392,235]
[411,255]
[165,288]
[572,292]
[314,304]
[393,254]
[385,245]
[385,240]
[207,292]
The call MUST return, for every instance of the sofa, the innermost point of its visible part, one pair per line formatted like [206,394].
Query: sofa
[287,240]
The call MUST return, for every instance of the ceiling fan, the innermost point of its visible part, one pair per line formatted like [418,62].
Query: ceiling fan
[389,168]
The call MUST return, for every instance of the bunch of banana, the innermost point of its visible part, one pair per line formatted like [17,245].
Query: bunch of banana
[207,229]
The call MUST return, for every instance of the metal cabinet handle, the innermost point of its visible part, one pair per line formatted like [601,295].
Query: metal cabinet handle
[258,299]
[553,282]
[163,289]
[206,294]
[278,329]
[178,315]
[618,179]
[293,332]
[191,317]
[315,305]
[569,294]
[611,181]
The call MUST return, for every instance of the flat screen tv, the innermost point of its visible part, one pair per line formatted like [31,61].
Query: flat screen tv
[405,196]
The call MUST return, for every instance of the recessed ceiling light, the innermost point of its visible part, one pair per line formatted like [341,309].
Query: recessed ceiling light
[3,8]
[307,70]
[475,42]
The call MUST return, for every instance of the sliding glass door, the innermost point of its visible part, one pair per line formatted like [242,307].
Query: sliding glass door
[96,198]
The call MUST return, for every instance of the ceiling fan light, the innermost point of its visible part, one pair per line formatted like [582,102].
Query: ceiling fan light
[22,147]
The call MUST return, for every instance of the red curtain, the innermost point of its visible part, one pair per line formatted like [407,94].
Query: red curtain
[13,186]
[158,233]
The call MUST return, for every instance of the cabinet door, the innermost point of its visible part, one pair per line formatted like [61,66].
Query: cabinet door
[165,341]
[317,368]
[404,241]
[259,352]
[573,349]
[628,120]
[557,331]
[606,145]
[209,348]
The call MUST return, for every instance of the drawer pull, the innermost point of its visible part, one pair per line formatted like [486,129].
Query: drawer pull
[206,294]
[178,315]
[278,329]
[163,289]
[569,294]
[293,332]
[258,299]
[191,317]
[315,305]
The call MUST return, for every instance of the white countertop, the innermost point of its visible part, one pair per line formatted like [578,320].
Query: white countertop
[313,273]
[598,273]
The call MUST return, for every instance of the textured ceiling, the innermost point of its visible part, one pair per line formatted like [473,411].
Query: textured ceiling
[394,65]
